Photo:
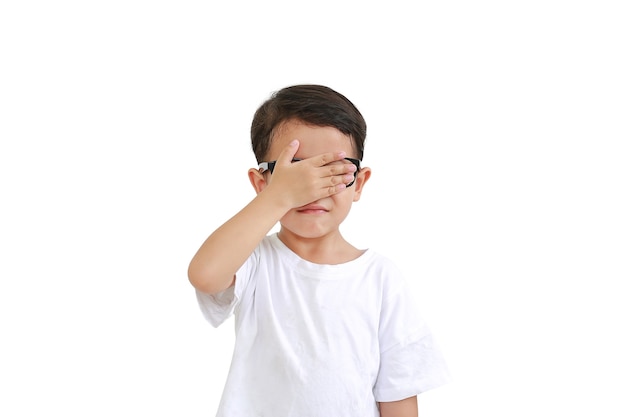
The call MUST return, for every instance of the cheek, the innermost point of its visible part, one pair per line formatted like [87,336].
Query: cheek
[343,200]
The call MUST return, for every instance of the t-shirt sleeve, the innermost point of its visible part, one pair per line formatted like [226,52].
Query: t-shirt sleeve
[216,308]
[410,360]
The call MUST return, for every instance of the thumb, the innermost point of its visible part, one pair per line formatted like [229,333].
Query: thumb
[288,153]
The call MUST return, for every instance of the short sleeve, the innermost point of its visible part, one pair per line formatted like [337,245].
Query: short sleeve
[216,308]
[410,360]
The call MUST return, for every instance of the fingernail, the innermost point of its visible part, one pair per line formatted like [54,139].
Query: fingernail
[294,142]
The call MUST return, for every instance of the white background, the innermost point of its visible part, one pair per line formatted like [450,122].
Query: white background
[495,139]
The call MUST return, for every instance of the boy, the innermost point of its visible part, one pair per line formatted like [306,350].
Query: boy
[323,328]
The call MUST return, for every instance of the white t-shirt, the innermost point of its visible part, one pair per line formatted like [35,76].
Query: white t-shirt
[321,340]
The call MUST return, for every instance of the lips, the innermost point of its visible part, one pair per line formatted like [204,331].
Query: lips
[313,208]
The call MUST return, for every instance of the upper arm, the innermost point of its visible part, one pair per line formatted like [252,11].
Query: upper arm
[402,408]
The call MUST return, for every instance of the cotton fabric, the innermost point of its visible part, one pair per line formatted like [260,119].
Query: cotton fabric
[321,340]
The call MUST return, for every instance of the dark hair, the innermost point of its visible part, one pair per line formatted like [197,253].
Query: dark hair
[316,105]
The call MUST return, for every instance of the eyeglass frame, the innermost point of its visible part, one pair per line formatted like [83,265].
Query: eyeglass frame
[269,166]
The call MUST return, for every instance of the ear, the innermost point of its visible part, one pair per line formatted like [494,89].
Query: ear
[362,177]
[257,180]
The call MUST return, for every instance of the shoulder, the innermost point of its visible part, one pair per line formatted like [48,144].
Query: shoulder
[383,265]
[382,261]
[266,247]
[384,273]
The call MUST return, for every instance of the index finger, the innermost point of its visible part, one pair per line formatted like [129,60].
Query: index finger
[327,158]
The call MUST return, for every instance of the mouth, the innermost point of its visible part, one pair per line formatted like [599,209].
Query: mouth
[312,209]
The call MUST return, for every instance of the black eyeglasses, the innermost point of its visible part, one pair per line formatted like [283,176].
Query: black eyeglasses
[269,166]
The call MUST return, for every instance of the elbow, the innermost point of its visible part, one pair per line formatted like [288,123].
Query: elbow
[206,281]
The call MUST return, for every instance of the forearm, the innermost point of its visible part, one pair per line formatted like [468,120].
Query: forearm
[213,267]
[402,408]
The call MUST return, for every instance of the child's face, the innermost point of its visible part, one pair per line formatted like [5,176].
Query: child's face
[329,212]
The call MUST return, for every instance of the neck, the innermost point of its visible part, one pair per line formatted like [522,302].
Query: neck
[330,249]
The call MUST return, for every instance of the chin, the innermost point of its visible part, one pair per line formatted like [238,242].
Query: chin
[306,232]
